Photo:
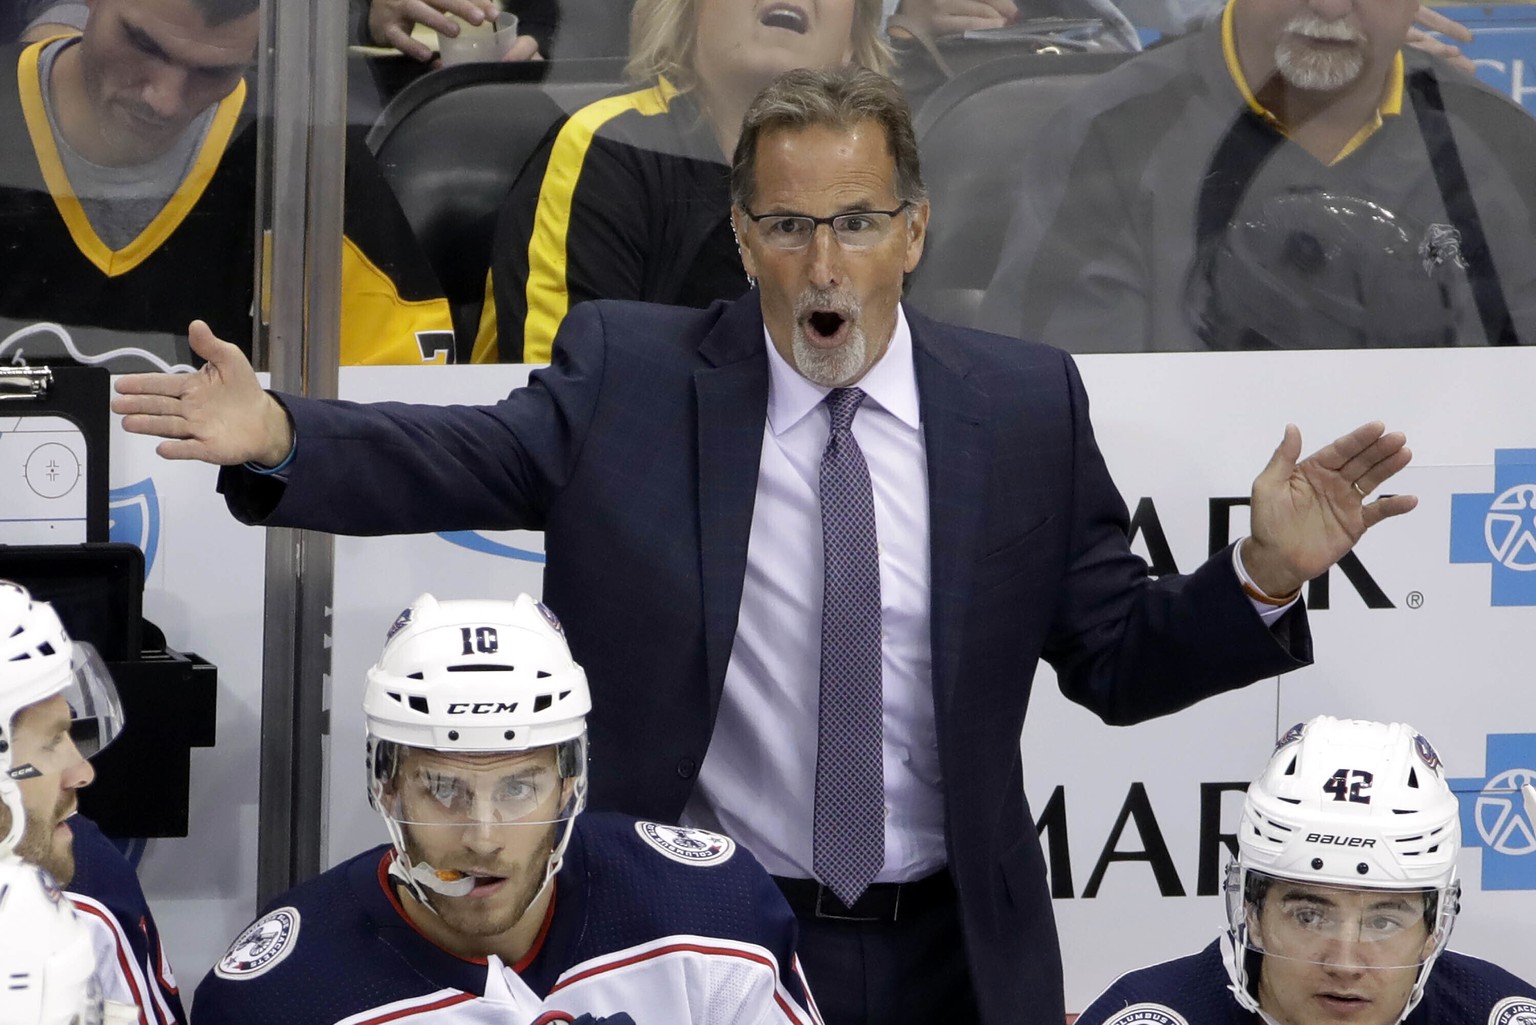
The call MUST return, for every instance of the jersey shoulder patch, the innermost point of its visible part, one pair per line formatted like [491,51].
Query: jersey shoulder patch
[1147,1013]
[262,946]
[1513,1011]
[686,845]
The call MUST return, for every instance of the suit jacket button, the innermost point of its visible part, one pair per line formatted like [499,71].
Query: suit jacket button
[687,768]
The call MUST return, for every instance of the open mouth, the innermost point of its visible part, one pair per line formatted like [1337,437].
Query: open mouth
[825,327]
[486,885]
[785,16]
[1344,1003]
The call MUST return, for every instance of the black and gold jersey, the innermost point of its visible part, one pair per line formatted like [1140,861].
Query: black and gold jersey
[66,293]
[628,198]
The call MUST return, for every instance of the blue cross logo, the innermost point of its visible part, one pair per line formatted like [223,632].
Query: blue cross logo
[1492,815]
[1500,528]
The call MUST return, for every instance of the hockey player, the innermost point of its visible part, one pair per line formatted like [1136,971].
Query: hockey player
[45,950]
[57,708]
[494,901]
[1339,904]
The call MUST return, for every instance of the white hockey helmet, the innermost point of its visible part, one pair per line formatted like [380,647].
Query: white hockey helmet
[475,677]
[48,958]
[38,660]
[1346,806]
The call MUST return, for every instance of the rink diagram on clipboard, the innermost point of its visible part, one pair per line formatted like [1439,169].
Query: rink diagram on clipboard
[42,465]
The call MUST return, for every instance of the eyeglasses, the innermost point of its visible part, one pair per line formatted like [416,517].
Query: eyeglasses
[856,229]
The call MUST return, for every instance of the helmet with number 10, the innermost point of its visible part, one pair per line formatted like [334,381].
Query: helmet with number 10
[477,755]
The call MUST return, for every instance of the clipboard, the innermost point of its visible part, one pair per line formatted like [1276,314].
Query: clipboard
[54,454]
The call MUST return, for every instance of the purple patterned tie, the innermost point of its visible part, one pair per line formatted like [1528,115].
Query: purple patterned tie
[848,831]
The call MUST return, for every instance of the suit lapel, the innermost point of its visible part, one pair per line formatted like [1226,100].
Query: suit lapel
[954,413]
[732,392]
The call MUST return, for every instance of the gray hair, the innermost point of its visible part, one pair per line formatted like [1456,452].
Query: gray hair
[838,98]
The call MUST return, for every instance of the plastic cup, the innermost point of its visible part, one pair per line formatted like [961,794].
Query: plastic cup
[484,42]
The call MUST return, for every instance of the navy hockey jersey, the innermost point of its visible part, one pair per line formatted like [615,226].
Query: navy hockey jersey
[662,924]
[130,961]
[1462,990]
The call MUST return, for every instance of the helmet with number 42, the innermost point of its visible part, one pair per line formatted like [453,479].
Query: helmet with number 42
[1346,863]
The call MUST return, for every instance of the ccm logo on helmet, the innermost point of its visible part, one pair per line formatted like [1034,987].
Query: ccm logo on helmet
[481,707]
[1338,841]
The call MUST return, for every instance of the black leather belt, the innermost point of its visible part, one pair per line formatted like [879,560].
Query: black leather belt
[882,902]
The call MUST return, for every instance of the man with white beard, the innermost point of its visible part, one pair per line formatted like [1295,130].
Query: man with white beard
[1288,176]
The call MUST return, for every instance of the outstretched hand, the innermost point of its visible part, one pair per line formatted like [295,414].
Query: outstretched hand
[220,414]
[1307,515]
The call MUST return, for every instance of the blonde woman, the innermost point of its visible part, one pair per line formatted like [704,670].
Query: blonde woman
[628,198]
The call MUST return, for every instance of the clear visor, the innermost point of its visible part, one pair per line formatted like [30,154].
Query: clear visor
[96,710]
[1337,926]
[95,718]
[422,787]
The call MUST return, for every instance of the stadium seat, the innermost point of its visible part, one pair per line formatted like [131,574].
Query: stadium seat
[451,144]
[973,132]
[592,28]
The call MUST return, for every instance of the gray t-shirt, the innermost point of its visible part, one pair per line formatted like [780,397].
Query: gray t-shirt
[120,202]
[64,12]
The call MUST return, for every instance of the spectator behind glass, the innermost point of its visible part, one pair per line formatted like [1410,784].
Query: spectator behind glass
[627,198]
[128,189]
[1288,177]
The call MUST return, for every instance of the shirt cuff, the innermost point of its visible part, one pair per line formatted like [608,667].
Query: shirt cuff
[1268,611]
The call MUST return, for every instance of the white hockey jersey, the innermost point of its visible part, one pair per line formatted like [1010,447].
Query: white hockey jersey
[130,960]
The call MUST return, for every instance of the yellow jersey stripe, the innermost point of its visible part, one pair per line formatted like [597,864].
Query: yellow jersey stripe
[487,347]
[548,297]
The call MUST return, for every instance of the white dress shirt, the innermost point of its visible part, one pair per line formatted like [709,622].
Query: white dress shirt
[757,783]
[758,778]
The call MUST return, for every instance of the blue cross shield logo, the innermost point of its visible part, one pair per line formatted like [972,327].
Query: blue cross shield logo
[133,514]
[1493,816]
[1499,528]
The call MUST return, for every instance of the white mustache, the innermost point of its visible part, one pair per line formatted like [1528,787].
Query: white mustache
[1313,27]
[836,302]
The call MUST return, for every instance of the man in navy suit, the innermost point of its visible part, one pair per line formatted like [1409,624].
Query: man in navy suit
[671,457]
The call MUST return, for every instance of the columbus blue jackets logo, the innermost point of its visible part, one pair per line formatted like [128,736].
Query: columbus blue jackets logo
[403,618]
[1428,753]
[1291,735]
[550,618]
[1513,1011]
[1148,1014]
[262,947]
[689,846]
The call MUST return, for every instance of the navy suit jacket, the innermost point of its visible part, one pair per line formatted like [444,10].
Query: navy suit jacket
[637,451]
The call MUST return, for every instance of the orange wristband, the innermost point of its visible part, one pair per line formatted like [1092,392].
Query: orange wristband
[1259,596]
